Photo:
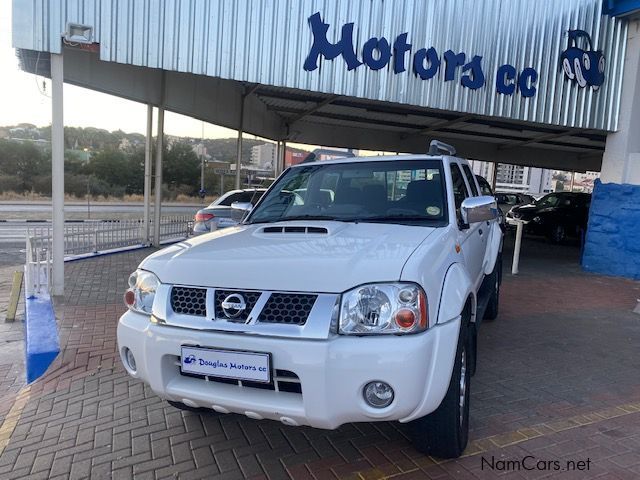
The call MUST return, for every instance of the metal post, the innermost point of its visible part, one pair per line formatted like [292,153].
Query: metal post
[147,175]
[284,156]
[516,248]
[276,162]
[494,178]
[202,161]
[239,154]
[157,203]
[57,173]
[573,178]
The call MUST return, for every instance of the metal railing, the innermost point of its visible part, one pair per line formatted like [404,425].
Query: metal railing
[37,269]
[92,237]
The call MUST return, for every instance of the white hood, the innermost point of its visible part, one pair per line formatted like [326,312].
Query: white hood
[244,257]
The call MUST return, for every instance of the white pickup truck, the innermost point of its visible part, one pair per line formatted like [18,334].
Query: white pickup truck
[352,292]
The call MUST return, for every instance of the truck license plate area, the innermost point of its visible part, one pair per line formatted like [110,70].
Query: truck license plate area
[236,365]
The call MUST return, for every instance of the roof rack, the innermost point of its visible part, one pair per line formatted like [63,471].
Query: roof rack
[436,147]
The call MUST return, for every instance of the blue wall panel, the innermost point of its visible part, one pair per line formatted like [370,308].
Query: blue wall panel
[613,235]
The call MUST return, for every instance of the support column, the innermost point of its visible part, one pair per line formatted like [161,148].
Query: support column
[239,153]
[611,245]
[276,161]
[147,174]
[157,203]
[621,160]
[494,176]
[57,174]
[283,154]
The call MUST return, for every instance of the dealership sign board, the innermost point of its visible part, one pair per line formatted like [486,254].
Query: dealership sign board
[585,67]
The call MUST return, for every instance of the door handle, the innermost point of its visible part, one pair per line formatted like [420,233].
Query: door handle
[480,231]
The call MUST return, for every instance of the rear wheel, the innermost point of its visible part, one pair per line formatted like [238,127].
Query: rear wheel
[444,433]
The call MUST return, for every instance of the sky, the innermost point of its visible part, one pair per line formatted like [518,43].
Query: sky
[23,99]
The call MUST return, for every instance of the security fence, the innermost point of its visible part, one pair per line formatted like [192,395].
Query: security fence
[92,237]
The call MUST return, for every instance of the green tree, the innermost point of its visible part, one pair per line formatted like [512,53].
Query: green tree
[181,166]
[136,171]
[21,160]
[112,167]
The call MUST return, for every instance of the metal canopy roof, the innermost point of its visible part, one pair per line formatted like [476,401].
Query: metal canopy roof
[317,118]
[410,121]
[206,59]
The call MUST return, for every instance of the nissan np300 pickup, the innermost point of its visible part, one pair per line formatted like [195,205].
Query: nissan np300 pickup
[352,292]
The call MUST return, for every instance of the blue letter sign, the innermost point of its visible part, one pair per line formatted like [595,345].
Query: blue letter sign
[584,66]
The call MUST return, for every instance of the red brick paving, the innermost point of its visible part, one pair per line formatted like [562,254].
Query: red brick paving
[553,370]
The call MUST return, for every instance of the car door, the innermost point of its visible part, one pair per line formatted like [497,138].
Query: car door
[471,238]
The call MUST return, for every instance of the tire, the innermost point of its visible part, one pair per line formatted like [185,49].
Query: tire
[472,341]
[444,433]
[186,408]
[557,234]
[493,307]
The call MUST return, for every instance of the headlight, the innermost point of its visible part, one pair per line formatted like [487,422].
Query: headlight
[142,290]
[383,308]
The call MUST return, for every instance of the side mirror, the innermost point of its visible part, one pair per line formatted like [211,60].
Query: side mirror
[244,206]
[478,209]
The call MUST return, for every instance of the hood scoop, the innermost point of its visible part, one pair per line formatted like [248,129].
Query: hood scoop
[296,229]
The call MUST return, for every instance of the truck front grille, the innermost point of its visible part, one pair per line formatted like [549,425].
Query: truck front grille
[189,301]
[250,298]
[282,308]
[290,308]
[283,381]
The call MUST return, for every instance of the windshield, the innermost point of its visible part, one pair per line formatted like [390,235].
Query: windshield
[548,201]
[398,191]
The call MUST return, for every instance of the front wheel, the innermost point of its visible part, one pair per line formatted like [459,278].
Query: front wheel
[444,433]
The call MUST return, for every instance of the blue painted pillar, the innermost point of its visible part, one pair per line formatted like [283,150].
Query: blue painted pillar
[612,244]
[613,237]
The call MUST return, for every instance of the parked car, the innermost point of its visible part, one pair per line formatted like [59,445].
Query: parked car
[220,213]
[508,200]
[557,215]
[323,309]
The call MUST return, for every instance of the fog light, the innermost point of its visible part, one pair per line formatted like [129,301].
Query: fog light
[130,359]
[378,394]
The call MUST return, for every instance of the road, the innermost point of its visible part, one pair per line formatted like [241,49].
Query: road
[80,211]
[14,224]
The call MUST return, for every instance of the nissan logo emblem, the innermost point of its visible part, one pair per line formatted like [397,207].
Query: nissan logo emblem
[233,305]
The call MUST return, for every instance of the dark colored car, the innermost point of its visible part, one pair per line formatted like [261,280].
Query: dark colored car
[506,200]
[585,66]
[557,216]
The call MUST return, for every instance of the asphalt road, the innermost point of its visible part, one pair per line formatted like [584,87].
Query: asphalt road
[16,218]
[81,211]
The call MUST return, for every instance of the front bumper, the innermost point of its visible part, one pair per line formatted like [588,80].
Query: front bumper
[332,372]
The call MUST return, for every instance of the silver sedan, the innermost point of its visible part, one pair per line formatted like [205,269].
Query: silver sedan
[220,214]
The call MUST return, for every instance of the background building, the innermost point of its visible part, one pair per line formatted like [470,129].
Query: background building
[264,156]
[515,178]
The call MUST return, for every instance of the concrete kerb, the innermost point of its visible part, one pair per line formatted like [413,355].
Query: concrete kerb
[40,335]
[42,344]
